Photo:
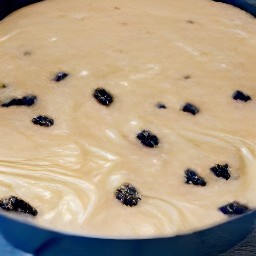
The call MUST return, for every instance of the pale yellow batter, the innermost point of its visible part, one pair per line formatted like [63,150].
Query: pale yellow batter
[142,52]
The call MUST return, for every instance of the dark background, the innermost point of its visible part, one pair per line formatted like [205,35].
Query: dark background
[245,248]
[8,6]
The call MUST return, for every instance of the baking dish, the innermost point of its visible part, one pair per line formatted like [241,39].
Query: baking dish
[43,242]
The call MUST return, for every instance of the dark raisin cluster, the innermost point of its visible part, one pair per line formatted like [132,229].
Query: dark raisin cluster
[241,96]
[43,121]
[27,101]
[60,76]
[221,171]
[234,208]
[15,204]
[148,139]
[103,97]
[128,195]
[190,108]
[191,177]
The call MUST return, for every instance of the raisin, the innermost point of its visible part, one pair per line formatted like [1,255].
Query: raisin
[221,171]
[190,108]
[43,121]
[60,76]
[191,177]
[234,208]
[161,105]
[103,97]
[148,139]
[128,195]
[16,204]
[27,100]
[239,95]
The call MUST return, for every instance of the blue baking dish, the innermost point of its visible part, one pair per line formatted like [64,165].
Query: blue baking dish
[44,242]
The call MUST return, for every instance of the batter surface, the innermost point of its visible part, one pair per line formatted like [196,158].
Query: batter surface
[152,57]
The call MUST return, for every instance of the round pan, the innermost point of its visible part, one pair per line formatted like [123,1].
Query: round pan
[43,242]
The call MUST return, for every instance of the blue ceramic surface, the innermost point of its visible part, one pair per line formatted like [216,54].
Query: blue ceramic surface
[43,242]
[246,5]
[7,250]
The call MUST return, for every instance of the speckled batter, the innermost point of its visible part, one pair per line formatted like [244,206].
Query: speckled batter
[144,53]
